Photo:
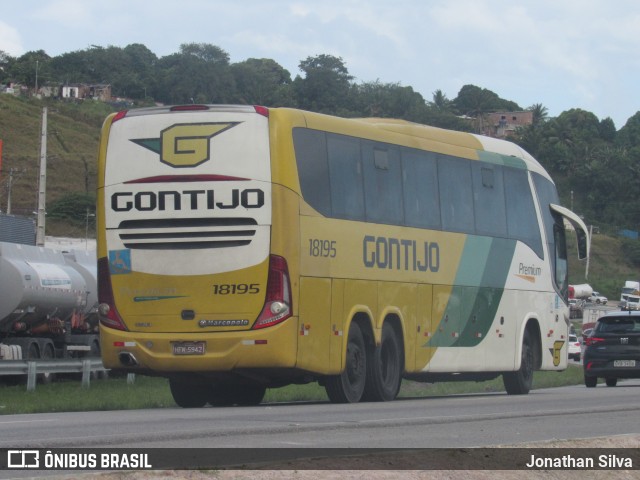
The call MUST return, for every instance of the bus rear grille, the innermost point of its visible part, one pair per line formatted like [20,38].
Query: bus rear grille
[187,233]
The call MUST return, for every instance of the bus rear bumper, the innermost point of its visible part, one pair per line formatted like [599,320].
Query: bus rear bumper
[162,353]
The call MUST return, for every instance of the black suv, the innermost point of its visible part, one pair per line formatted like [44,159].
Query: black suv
[613,349]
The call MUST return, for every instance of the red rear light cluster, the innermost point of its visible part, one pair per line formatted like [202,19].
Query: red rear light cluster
[107,312]
[277,304]
[264,111]
[589,341]
[119,116]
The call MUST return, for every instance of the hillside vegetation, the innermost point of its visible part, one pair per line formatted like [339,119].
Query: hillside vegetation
[609,266]
[72,144]
[74,130]
[595,163]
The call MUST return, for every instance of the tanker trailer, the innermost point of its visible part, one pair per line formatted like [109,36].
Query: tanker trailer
[581,291]
[85,263]
[43,305]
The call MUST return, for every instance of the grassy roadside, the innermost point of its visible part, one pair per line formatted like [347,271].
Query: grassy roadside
[151,392]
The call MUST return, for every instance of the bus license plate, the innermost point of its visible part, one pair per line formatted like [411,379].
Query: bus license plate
[624,363]
[189,348]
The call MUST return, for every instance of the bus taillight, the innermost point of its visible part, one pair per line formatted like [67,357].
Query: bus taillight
[107,311]
[264,111]
[277,305]
[119,116]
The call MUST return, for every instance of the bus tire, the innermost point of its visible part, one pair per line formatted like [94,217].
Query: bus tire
[188,394]
[384,368]
[348,387]
[244,395]
[520,381]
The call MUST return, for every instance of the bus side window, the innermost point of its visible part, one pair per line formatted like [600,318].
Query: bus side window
[456,197]
[345,171]
[489,201]
[313,171]
[382,183]
[522,221]
[420,189]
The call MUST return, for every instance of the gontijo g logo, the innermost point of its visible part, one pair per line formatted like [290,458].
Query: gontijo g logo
[185,145]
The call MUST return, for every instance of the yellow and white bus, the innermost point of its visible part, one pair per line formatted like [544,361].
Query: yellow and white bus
[243,248]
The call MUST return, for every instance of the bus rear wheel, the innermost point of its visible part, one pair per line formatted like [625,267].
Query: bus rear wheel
[227,394]
[521,381]
[384,368]
[348,387]
[188,394]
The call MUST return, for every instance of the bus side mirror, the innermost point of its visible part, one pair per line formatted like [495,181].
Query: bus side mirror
[582,244]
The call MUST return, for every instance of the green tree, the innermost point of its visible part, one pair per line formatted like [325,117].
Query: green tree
[206,52]
[607,130]
[326,85]
[376,99]
[139,79]
[476,102]
[629,135]
[440,102]
[200,73]
[540,113]
[32,67]
[262,81]
[568,139]
[5,62]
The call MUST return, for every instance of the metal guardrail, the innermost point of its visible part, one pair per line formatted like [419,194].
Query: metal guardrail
[32,368]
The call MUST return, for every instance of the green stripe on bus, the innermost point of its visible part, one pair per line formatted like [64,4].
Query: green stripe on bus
[470,311]
[498,159]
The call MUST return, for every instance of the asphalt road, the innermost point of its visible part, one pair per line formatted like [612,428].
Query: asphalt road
[452,421]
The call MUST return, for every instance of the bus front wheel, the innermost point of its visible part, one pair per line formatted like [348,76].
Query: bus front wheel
[520,381]
[348,387]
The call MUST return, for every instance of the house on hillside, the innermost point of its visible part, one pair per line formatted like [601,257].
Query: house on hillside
[73,91]
[83,91]
[12,88]
[503,124]
[101,91]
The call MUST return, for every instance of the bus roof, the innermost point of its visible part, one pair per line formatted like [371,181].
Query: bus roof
[456,140]
[458,143]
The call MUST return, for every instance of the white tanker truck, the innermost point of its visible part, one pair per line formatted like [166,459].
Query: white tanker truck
[48,303]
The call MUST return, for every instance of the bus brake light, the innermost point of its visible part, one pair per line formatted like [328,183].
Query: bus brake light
[119,116]
[107,312]
[277,304]
[264,111]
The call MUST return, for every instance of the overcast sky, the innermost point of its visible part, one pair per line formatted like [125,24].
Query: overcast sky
[561,53]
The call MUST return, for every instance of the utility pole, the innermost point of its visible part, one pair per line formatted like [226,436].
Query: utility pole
[586,269]
[9,186]
[42,183]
